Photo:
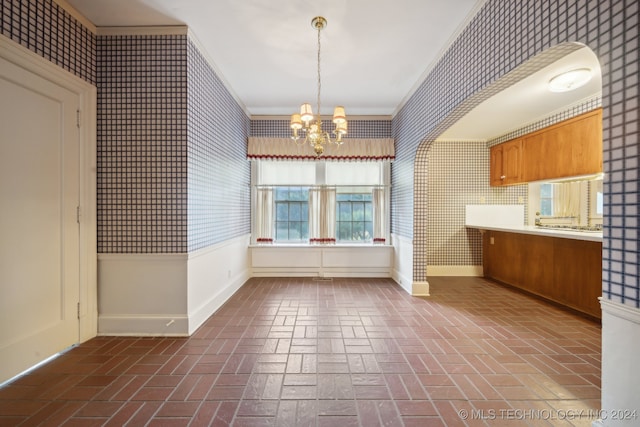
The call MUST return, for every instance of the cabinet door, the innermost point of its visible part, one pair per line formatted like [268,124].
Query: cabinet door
[506,163]
[512,162]
[570,148]
[495,175]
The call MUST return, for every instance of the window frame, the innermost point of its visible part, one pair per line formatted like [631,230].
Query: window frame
[384,177]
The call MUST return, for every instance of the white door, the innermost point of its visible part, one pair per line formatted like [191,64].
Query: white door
[39,232]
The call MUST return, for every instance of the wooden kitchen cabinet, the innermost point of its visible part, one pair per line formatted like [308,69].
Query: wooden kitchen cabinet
[566,271]
[506,163]
[570,148]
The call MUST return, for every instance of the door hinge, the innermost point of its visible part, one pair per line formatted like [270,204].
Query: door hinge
[78,214]
[78,310]
[78,118]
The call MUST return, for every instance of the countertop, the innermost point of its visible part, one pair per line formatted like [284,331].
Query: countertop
[530,229]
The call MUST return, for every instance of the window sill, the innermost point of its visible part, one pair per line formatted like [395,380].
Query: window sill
[310,245]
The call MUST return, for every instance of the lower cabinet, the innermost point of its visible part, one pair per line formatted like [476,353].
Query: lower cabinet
[566,271]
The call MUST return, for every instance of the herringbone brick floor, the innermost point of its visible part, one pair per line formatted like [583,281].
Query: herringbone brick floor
[360,352]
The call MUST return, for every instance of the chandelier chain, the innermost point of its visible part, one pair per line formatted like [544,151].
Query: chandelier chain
[319,80]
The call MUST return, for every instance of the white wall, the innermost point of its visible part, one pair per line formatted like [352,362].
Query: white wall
[168,294]
[620,372]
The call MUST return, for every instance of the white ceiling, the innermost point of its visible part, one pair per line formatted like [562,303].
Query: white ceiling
[374,54]
[527,101]
[373,51]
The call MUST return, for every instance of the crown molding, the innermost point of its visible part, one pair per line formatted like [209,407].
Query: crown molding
[323,117]
[77,15]
[164,30]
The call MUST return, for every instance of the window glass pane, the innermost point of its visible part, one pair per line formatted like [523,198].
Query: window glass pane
[282,211]
[292,214]
[344,231]
[368,212]
[294,211]
[294,231]
[368,226]
[546,190]
[282,231]
[546,208]
[344,211]
[358,231]
[282,193]
[358,212]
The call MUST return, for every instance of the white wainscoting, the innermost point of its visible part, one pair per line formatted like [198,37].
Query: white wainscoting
[215,274]
[321,261]
[403,262]
[620,374]
[167,294]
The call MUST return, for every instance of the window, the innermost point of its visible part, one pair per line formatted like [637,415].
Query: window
[320,202]
[546,199]
[354,217]
[292,214]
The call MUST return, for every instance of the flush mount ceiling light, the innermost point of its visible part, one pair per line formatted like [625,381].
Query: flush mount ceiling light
[570,80]
[310,125]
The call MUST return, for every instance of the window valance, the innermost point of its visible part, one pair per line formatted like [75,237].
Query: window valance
[373,149]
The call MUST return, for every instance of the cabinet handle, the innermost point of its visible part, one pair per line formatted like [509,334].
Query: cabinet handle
[503,177]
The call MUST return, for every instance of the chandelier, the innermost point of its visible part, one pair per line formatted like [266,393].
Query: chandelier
[309,124]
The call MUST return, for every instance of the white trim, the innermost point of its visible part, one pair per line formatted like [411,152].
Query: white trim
[622,311]
[23,57]
[455,270]
[76,15]
[151,30]
[420,289]
[144,326]
[143,257]
[327,118]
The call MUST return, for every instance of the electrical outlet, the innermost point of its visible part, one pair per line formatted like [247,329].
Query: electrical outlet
[520,199]
[483,199]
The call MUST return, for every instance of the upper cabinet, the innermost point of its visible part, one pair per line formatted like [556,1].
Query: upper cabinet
[569,148]
[506,163]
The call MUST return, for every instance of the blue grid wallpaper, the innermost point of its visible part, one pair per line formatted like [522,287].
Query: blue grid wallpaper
[219,174]
[275,128]
[47,29]
[503,35]
[142,144]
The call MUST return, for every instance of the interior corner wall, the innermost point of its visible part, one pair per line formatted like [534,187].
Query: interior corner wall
[458,175]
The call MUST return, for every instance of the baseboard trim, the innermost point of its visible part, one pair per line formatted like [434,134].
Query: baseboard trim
[208,308]
[144,326]
[455,270]
[420,289]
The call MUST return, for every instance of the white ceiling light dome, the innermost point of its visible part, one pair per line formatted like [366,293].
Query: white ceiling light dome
[570,80]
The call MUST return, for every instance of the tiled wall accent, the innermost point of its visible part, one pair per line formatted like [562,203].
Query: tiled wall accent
[47,29]
[503,35]
[576,110]
[218,170]
[459,176]
[357,128]
[142,144]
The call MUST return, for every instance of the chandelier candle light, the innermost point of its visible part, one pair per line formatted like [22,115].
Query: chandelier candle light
[310,125]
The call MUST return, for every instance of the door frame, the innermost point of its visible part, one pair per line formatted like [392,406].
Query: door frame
[87,96]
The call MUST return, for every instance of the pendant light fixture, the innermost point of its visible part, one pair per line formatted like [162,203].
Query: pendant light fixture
[310,125]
